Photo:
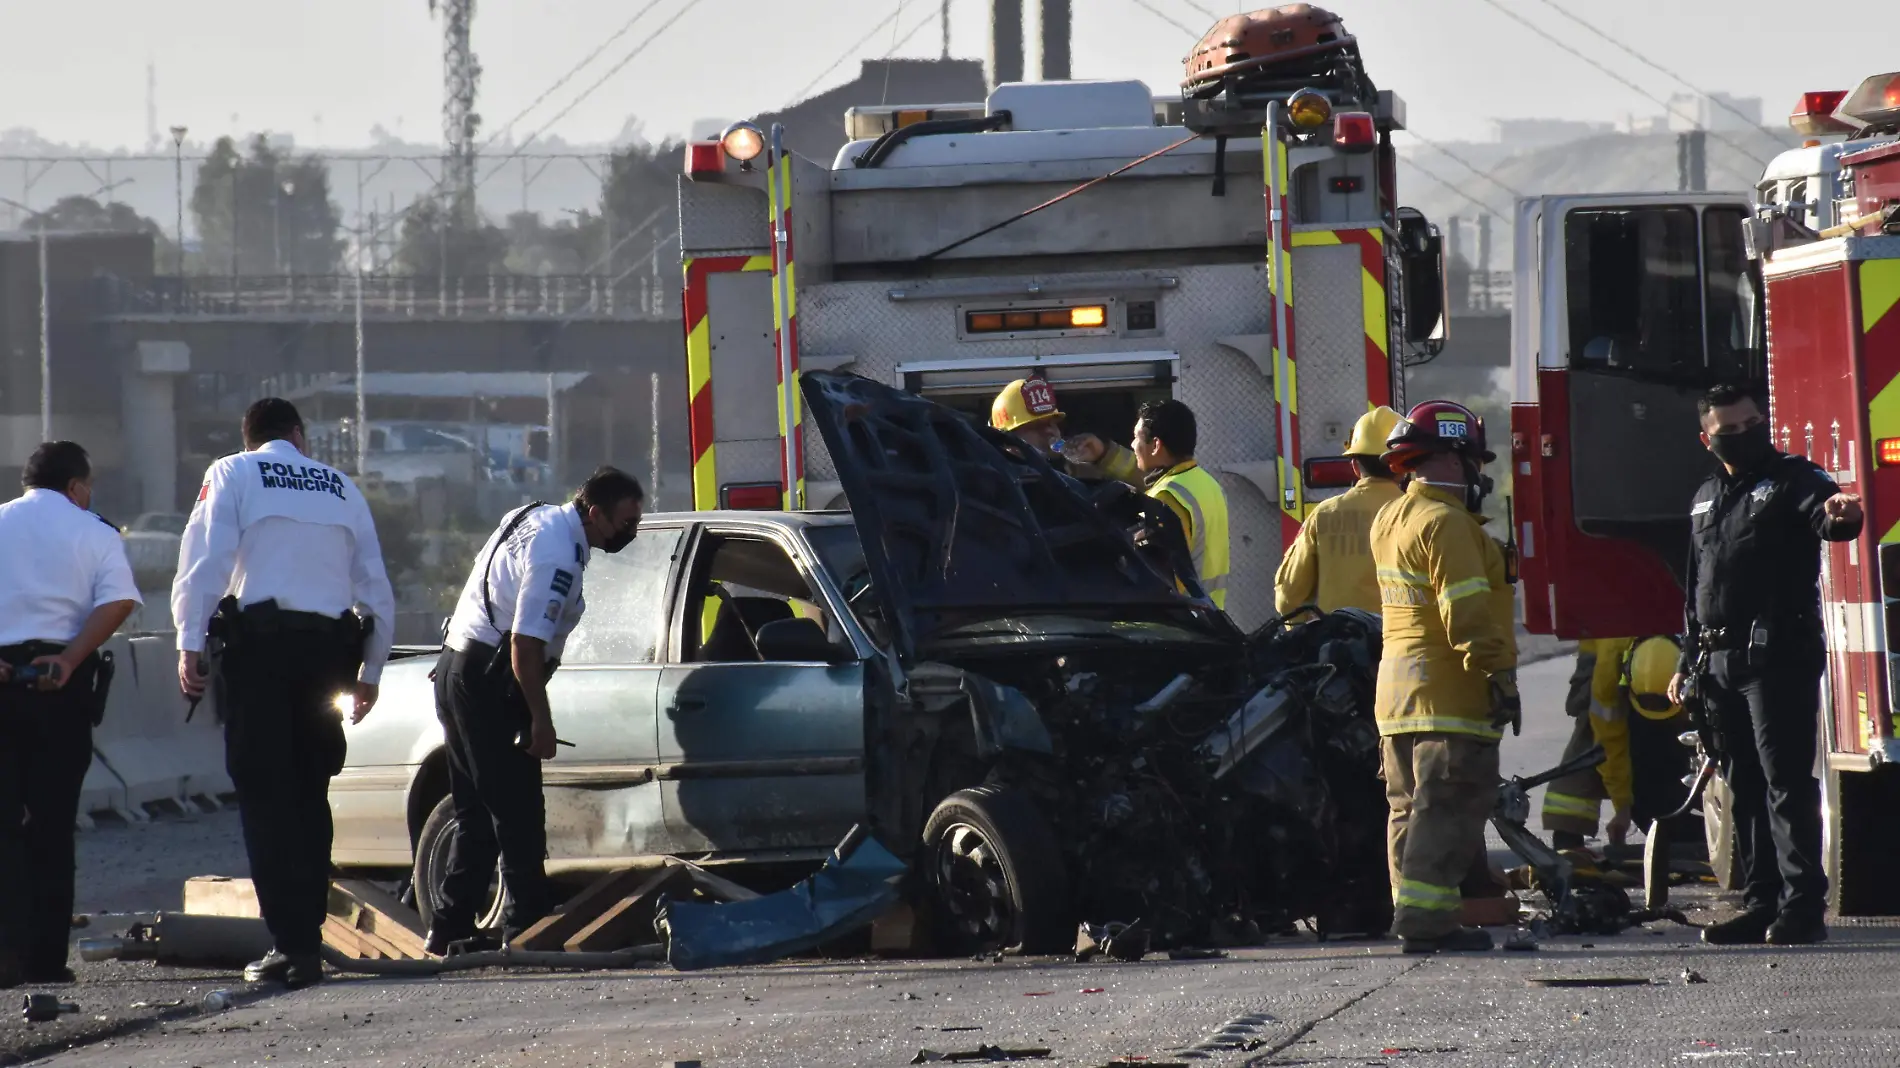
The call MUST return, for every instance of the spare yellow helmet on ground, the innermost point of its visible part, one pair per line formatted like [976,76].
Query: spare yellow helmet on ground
[1652,663]
[1024,401]
[1370,432]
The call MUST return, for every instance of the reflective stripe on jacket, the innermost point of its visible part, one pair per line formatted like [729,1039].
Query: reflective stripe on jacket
[1610,720]
[1190,489]
[1330,561]
[1449,616]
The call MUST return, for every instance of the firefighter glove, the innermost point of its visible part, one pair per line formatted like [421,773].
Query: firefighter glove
[1506,706]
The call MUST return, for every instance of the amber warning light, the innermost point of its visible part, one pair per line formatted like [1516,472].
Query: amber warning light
[1085,317]
[1813,114]
[1887,452]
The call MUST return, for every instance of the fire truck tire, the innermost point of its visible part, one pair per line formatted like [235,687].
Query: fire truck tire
[1725,861]
[432,862]
[995,876]
[1862,865]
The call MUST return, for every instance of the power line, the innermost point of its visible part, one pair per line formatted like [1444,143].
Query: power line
[1607,72]
[1429,173]
[571,71]
[1202,10]
[1753,123]
[1462,162]
[897,23]
[846,54]
[1164,16]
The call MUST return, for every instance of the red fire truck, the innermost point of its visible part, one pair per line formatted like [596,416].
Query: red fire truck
[1238,245]
[1627,307]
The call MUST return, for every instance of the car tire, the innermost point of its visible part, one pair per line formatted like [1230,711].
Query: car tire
[994,873]
[1718,828]
[432,862]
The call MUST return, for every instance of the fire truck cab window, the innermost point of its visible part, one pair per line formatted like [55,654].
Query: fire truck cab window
[1734,310]
[1632,273]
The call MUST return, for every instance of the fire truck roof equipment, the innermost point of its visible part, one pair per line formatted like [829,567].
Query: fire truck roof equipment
[1813,114]
[1271,37]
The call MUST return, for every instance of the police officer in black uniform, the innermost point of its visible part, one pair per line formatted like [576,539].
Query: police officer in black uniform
[1753,655]
[66,586]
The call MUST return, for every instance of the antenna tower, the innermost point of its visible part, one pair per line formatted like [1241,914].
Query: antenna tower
[461,74]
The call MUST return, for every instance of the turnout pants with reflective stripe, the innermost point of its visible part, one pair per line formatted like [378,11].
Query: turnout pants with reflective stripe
[1574,803]
[1441,789]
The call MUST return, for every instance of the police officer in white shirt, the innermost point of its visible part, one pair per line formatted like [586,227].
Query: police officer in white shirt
[520,603]
[66,586]
[281,560]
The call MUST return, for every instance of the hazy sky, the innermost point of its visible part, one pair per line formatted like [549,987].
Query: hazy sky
[328,70]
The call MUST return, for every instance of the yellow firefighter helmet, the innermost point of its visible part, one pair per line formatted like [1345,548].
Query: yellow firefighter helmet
[1370,432]
[1022,402]
[1652,664]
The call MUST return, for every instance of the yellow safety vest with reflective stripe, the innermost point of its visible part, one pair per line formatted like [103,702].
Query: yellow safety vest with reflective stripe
[1449,616]
[1197,495]
[1330,561]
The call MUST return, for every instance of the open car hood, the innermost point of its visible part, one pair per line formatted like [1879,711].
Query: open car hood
[961,523]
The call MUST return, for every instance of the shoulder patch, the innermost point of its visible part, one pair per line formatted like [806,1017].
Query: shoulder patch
[1702,508]
[553,613]
[563,582]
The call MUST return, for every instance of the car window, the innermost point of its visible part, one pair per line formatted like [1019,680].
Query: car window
[626,602]
[743,583]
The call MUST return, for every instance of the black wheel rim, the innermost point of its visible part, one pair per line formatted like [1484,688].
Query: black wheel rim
[489,913]
[972,887]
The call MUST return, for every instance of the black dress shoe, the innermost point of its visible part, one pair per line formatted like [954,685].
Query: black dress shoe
[1748,929]
[270,969]
[1790,930]
[305,969]
[1463,940]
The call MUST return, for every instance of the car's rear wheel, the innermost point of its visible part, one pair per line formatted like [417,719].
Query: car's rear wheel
[432,865]
[995,874]
[1718,827]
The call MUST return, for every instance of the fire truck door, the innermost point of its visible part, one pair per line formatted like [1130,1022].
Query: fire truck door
[1642,303]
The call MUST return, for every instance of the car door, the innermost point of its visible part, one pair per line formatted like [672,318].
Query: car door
[603,798]
[756,755]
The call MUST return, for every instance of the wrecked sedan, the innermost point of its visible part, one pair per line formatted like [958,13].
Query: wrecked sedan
[979,664]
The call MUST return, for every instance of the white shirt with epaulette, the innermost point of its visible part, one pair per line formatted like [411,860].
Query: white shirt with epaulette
[272,524]
[58,562]
[534,585]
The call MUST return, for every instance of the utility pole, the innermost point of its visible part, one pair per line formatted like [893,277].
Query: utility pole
[1484,258]
[1692,169]
[1006,42]
[944,17]
[178,162]
[461,76]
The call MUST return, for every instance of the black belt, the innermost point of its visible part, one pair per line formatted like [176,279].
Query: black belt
[27,652]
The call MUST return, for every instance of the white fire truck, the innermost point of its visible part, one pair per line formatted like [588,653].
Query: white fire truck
[1626,308]
[1248,256]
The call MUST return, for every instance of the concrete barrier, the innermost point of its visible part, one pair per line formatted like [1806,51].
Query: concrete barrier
[144,741]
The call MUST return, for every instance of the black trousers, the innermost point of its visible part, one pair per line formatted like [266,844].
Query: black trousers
[1766,718]
[495,788]
[283,742]
[45,749]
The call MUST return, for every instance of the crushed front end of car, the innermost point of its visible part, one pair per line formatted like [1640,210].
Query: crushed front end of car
[1060,736]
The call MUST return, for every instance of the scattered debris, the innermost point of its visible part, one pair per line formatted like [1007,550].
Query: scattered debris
[1691,976]
[980,1053]
[1126,942]
[217,1001]
[1039,994]
[1394,1051]
[1587,980]
[857,883]
[971,1027]
[172,1004]
[44,1008]
[1094,990]
[1522,940]
[1197,954]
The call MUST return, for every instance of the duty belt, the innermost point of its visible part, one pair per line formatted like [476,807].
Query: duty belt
[1722,639]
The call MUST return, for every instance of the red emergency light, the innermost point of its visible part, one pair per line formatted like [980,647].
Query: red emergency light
[1329,472]
[1353,131]
[1813,114]
[1875,102]
[705,157]
[752,496]
[1887,452]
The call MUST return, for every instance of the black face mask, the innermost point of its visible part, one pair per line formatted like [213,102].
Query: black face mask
[619,541]
[1478,486]
[1744,449]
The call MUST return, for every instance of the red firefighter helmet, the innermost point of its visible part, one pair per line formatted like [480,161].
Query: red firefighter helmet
[1435,426]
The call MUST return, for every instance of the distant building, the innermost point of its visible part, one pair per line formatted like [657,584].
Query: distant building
[707,129]
[1542,133]
[1716,111]
[814,127]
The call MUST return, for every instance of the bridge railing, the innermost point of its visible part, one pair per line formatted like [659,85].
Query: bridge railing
[497,296]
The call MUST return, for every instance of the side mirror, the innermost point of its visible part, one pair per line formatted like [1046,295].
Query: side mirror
[1329,472]
[799,641]
[1422,294]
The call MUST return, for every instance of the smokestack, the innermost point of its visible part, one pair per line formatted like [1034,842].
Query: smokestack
[1054,64]
[1006,42]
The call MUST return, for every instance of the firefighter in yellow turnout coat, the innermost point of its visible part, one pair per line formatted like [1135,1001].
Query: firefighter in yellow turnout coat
[1330,561]
[1447,682]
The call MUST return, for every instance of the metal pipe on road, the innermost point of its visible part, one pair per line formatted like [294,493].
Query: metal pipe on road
[557,960]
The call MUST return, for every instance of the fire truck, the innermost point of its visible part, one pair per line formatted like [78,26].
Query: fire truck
[1238,245]
[1625,309]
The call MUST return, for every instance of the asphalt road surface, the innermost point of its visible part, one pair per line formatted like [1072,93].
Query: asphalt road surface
[1296,1002]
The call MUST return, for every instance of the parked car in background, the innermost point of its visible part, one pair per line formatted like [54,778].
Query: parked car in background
[151,544]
